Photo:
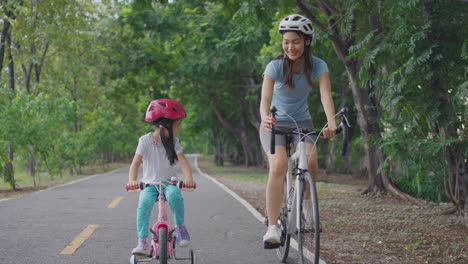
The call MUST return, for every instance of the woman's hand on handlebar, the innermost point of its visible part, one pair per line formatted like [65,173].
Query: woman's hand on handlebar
[268,122]
[330,130]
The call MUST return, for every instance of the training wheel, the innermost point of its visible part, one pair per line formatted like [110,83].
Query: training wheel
[133,259]
[192,257]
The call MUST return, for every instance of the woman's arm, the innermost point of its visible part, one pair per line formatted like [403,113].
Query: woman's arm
[265,102]
[186,169]
[328,106]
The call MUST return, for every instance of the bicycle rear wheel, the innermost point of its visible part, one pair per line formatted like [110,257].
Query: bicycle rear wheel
[313,241]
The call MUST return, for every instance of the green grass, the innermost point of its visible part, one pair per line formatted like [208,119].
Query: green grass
[44,179]
[249,174]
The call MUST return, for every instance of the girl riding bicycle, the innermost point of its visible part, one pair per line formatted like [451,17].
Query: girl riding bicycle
[158,151]
[287,82]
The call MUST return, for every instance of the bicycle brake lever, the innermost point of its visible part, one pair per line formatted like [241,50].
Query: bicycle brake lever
[344,116]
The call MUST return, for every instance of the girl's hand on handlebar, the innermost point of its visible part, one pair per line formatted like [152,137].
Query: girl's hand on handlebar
[329,131]
[133,185]
[268,122]
[189,183]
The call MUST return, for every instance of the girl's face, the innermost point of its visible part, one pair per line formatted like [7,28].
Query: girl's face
[175,127]
[293,45]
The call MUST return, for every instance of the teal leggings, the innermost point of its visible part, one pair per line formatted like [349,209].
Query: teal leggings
[145,205]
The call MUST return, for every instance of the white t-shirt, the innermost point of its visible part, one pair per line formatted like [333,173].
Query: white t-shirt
[156,165]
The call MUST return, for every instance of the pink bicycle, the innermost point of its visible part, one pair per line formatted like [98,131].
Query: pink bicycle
[163,242]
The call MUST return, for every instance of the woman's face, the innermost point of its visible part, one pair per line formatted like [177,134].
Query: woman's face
[293,45]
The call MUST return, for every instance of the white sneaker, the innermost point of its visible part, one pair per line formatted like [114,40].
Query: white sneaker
[142,247]
[139,250]
[272,238]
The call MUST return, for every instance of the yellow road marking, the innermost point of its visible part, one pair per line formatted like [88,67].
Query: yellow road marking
[79,240]
[115,202]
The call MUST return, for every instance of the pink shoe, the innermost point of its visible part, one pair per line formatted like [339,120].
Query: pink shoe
[182,236]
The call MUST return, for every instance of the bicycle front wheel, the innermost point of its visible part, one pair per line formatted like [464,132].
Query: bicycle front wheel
[283,250]
[162,245]
[312,241]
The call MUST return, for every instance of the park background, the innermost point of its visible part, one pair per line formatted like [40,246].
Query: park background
[76,78]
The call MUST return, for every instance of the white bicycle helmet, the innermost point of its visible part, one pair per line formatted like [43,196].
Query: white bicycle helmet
[297,22]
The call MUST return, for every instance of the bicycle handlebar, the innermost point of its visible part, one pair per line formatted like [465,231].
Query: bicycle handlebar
[180,184]
[343,127]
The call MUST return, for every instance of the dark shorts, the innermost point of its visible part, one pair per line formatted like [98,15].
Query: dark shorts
[280,140]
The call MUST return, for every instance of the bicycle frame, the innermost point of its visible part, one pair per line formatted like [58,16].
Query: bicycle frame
[162,222]
[293,204]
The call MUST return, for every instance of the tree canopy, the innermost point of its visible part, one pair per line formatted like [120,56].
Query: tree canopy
[76,77]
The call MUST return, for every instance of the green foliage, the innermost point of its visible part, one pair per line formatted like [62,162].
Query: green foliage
[416,165]
[105,61]
[420,92]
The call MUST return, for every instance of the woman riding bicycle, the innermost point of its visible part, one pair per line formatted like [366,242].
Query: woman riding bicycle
[158,151]
[287,82]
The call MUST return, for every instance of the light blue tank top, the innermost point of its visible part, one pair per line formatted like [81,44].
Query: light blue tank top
[293,102]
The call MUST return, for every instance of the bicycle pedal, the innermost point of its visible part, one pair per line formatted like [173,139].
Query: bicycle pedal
[142,256]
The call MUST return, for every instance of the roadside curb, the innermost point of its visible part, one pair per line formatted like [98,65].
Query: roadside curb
[249,207]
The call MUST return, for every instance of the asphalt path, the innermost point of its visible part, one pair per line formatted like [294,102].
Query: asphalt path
[93,221]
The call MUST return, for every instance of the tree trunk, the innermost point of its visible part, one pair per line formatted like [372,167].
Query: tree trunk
[219,159]
[330,163]
[27,77]
[361,101]
[3,40]
[9,171]
[457,182]
[239,132]
[346,166]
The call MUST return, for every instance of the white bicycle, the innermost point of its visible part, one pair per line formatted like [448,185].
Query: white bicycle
[292,219]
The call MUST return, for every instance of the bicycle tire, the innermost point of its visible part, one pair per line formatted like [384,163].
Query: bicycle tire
[192,257]
[315,234]
[162,245]
[300,231]
[283,251]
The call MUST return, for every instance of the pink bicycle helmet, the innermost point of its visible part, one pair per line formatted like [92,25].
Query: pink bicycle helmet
[164,108]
